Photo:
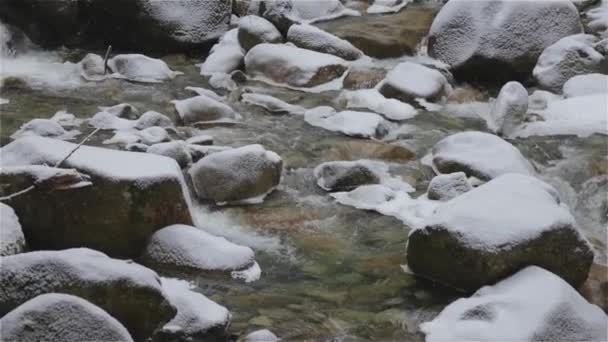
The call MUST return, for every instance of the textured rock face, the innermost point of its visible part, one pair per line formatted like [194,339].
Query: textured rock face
[313,38]
[472,240]
[132,196]
[127,291]
[499,40]
[61,318]
[134,24]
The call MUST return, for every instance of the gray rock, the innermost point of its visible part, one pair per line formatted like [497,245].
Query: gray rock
[446,187]
[408,81]
[254,30]
[344,175]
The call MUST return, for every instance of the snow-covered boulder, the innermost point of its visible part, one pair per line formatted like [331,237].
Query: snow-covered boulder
[122,110]
[531,305]
[448,186]
[188,248]
[202,108]
[254,30]
[12,240]
[480,155]
[284,13]
[540,99]
[568,57]
[372,99]
[225,56]
[581,116]
[240,174]
[263,335]
[152,119]
[351,123]
[132,196]
[272,104]
[344,175]
[141,68]
[597,19]
[494,230]
[313,38]
[177,150]
[44,128]
[408,81]
[127,291]
[509,108]
[589,84]
[499,40]
[200,140]
[92,68]
[198,152]
[292,65]
[198,318]
[61,318]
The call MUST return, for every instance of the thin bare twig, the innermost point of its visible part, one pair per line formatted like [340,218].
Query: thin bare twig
[105,59]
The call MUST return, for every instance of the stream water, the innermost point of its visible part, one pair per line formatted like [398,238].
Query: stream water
[329,272]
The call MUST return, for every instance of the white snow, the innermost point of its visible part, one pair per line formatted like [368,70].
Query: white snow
[44,128]
[263,335]
[4,101]
[598,19]
[195,312]
[589,84]
[387,6]
[479,218]
[200,140]
[190,247]
[42,70]
[378,168]
[479,154]
[12,240]
[371,99]
[313,38]
[206,92]
[202,108]
[416,80]
[531,305]
[105,120]
[140,68]
[225,56]
[351,123]
[581,116]
[65,119]
[122,110]
[248,275]
[310,11]
[540,99]
[272,104]
[509,108]
[259,30]
[177,149]
[151,119]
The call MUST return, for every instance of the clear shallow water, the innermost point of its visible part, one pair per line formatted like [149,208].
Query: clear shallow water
[328,271]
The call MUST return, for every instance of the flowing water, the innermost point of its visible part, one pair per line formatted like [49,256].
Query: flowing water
[329,272]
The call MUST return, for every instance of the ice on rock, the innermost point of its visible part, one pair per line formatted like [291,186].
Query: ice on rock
[189,248]
[272,104]
[581,116]
[387,6]
[198,318]
[351,123]
[371,99]
[531,305]
[496,229]
[293,66]
[177,150]
[123,110]
[509,109]
[568,57]
[44,128]
[202,108]
[141,68]
[313,38]
[589,84]
[254,30]
[225,56]
[12,240]
[93,276]
[408,81]
[480,155]
[61,317]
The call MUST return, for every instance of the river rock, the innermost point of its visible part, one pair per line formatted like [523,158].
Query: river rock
[202,108]
[312,38]
[480,155]
[198,318]
[292,65]
[189,248]
[141,68]
[236,175]
[61,318]
[348,122]
[177,150]
[531,305]
[363,78]
[254,30]
[263,335]
[471,240]
[569,57]
[408,81]
[127,291]
[225,57]
[284,13]
[583,85]
[509,109]
[446,187]
[494,41]
[43,128]
[344,175]
[152,119]
[92,67]
[132,196]
[12,240]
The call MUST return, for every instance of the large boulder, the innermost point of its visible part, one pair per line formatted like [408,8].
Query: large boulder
[132,196]
[568,57]
[499,40]
[480,155]
[509,109]
[254,30]
[292,65]
[61,318]
[12,240]
[188,248]
[409,81]
[532,305]
[127,291]
[473,240]
[312,38]
[236,175]
[135,25]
